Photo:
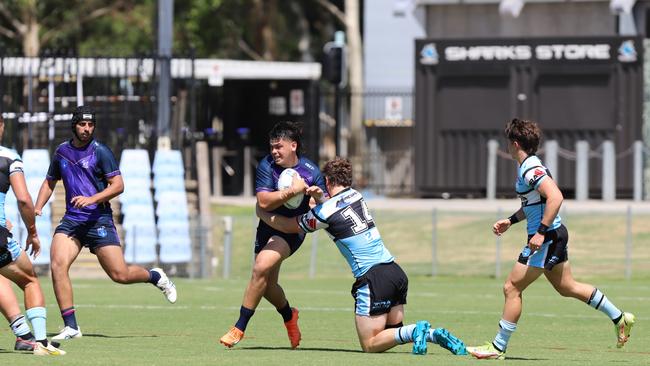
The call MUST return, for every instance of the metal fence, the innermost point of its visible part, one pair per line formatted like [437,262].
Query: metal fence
[39,93]
[607,160]
[603,243]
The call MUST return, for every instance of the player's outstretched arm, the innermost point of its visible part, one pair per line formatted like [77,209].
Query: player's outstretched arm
[44,194]
[285,224]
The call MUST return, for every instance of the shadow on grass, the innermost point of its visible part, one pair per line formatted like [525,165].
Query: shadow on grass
[11,351]
[508,358]
[262,348]
[95,335]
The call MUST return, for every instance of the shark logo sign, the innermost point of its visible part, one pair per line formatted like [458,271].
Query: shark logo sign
[429,54]
[627,52]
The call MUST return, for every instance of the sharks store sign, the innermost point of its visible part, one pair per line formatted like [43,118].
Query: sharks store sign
[557,50]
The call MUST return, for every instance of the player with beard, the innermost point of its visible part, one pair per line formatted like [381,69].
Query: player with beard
[91,178]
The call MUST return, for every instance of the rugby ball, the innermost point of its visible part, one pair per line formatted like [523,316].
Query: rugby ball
[284,182]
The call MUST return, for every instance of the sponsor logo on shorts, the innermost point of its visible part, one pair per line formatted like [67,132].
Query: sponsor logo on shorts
[101,231]
[381,305]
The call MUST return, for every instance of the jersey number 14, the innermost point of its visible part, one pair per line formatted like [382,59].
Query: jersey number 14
[360,221]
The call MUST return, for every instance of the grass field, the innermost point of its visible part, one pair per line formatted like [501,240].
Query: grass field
[465,245]
[133,325]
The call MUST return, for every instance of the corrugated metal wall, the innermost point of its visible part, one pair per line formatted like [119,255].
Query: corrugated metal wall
[461,105]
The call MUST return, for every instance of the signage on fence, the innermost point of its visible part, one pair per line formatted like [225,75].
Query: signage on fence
[297,102]
[608,49]
[277,106]
[393,107]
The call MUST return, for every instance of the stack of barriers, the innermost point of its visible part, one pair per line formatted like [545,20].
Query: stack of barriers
[171,209]
[140,235]
[36,162]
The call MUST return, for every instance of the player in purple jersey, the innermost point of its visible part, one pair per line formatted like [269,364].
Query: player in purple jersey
[16,266]
[91,178]
[272,246]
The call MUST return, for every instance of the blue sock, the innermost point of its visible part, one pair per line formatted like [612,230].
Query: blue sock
[286,312]
[245,315]
[404,334]
[37,316]
[599,301]
[19,326]
[69,318]
[154,276]
[505,331]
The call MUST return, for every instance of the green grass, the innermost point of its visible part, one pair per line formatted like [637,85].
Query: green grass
[465,245]
[133,325]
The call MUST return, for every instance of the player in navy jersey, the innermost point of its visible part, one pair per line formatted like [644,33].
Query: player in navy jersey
[16,266]
[91,178]
[272,246]
[381,286]
[546,250]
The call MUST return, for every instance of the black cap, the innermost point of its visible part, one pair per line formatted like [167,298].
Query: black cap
[83,113]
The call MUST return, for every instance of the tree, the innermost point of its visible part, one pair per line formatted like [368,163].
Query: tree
[32,24]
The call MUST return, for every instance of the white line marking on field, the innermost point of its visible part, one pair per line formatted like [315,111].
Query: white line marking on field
[327,309]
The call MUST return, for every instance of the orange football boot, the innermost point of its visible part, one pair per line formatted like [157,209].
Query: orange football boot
[292,329]
[233,337]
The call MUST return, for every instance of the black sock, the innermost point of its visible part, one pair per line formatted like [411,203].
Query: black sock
[154,276]
[27,336]
[497,348]
[617,319]
[42,341]
[69,318]
[286,312]
[245,315]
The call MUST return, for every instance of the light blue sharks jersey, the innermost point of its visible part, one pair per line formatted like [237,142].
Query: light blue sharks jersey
[10,163]
[348,222]
[531,174]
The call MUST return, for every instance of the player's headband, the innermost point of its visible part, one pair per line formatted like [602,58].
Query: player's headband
[83,116]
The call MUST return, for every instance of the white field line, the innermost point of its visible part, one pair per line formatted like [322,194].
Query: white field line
[327,309]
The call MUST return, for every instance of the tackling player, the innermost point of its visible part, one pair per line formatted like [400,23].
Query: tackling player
[381,286]
[546,252]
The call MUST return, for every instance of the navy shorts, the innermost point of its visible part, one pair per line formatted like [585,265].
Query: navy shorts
[91,234]
[553,251]
[378,290]
[265,232]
